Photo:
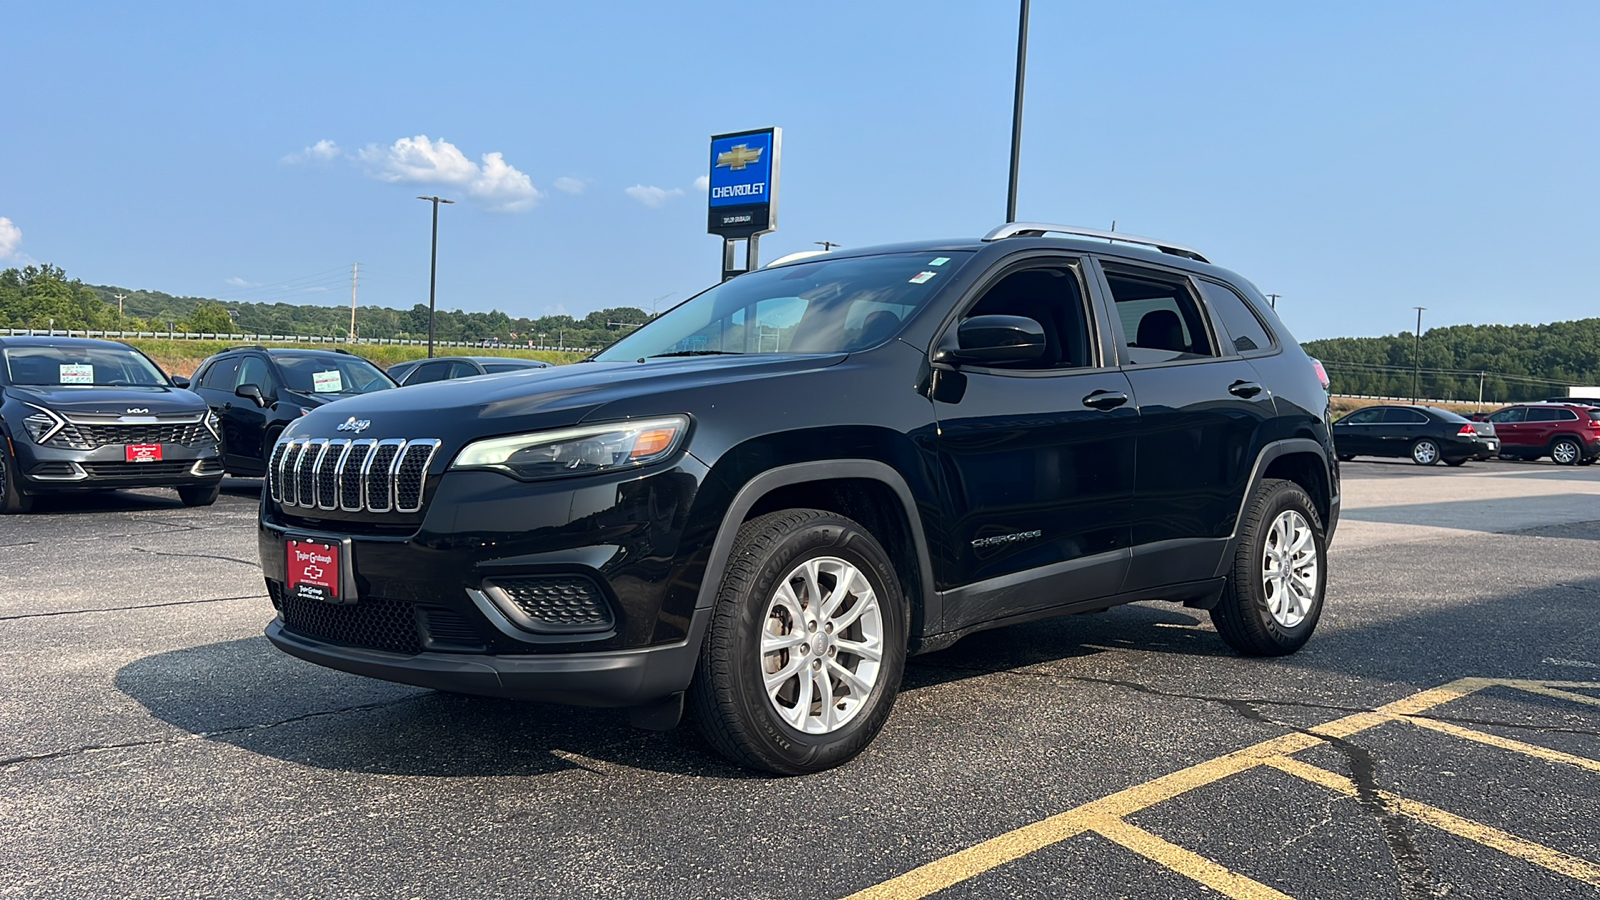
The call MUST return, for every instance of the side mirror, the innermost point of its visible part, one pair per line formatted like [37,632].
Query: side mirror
[252,393]
[180,381]
[994,339]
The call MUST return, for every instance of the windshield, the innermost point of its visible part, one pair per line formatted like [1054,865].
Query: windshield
[819,306]
[83,365]
[331,374]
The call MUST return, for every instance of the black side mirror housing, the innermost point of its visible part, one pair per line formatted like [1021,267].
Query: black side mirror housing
[180,381]
[252,393]
[986,340]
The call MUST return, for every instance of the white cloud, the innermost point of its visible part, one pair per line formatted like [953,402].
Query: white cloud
[10,237]
[553,309]
[652,196]
[703,183]
[323,151]
[419,160]
[570,185]
[241,283]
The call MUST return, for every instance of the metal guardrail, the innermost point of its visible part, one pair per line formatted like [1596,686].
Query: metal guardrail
[282,339]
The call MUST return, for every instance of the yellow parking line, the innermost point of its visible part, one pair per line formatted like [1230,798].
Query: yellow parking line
[1477,832]
[1547,691]
[1494,740]
[1186,862]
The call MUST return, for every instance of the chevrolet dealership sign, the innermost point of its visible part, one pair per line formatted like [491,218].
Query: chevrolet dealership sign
[743,195]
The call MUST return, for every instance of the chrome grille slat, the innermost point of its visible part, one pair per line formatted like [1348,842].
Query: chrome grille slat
[367,475]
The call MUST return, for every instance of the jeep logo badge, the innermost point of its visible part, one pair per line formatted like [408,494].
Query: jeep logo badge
[354,424]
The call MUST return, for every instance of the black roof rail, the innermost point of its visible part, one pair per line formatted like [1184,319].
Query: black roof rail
[1040,229]
[243,347]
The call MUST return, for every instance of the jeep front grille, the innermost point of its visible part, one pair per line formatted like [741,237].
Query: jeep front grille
[351,475]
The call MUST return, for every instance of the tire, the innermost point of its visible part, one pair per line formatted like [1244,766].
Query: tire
[1346,457]
[200,494]
[12,500]
[1456,463]
[1245,617]
[1565,451]
[1587,461]
[762,601]
[1425,452]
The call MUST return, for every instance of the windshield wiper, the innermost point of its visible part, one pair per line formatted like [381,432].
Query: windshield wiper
[696,353]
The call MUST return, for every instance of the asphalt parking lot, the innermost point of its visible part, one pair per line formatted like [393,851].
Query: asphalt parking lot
[1440,736]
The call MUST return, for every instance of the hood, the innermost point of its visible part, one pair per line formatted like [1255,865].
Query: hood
[110,401]
[533,399]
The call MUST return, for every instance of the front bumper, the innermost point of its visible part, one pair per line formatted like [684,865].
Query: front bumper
[44,469]
[622,678]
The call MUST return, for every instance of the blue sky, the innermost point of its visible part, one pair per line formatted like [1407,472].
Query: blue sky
[1357,158]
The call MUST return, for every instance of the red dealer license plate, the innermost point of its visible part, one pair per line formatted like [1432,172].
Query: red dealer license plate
[313,571]
[143,452]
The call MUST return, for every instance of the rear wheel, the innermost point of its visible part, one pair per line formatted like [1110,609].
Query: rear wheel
[1566,452]
[200,494]
[12,500]
[1425,452]
[1456,462]
[807,644]
[1346,457]
[1274,593]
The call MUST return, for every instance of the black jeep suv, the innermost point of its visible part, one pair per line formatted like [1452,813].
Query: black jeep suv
[88,415]
[761,502]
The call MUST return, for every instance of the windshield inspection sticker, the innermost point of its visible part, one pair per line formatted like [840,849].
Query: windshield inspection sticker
[77,373]
[940,261]
[326,382]
[923,277]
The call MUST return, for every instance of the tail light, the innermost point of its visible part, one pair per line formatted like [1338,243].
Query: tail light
[1467,429]
[1322,374]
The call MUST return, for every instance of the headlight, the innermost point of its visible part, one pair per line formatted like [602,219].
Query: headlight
[43,425]
[214,424]
[579,450]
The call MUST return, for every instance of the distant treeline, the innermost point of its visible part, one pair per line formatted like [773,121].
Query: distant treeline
[1512,362]
[44,297]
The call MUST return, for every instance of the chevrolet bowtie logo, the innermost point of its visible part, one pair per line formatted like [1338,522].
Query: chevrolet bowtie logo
[738,156]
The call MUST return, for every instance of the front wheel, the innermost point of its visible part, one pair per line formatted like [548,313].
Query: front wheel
[806,647]
[1566,452]
[1424,452]
[12,500]
[1453,463]
[1274,594]
[200,494]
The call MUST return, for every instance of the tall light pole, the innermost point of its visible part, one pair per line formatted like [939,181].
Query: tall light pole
[1416,357]
[827,245]
[433,266]
[1016,113]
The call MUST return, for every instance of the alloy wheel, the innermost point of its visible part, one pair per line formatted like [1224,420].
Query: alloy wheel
[1425,453]
[821,645]
[1564,453]
[1289,568]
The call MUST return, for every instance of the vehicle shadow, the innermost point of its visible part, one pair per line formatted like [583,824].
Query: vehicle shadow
[248,694]
[115,500]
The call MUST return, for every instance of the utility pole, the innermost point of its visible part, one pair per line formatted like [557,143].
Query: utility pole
[1016,113]
[120,298]
[433,266]
[1272,300]
[827,245]
[1416,357]
[354,268]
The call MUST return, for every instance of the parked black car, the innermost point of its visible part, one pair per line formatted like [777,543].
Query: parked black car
[444,368]
[1426,434]
[257,392]
[765,499]
[79,414]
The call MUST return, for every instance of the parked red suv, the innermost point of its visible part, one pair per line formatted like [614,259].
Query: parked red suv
[1568,433]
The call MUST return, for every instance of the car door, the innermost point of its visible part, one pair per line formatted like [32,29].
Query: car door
[1399,429]
[1037,458]
[1509,427]
[1543,423]
[1202,412]
[214,383]
[244,421]
[1355,434]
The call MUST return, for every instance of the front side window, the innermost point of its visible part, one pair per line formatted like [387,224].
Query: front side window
[81,366]
[1053,298]
[428,372]
[254,371]
[331,374]
[222,375]
[817,306]
[1362,416]
[1161,322]
[1509,415]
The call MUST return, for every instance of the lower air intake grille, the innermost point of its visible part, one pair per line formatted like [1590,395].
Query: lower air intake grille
[373,623]
[553,602]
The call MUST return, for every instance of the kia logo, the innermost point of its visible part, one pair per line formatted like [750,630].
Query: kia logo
[354,424]
[135,411]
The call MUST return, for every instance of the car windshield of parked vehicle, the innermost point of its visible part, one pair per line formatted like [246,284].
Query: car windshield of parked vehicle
[82,366]
[331,374]
[818,306]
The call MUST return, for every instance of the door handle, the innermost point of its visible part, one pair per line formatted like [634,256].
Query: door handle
[1245,389]
[1105,399]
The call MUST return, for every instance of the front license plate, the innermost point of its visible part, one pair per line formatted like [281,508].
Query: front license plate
[313,571]
[143,452]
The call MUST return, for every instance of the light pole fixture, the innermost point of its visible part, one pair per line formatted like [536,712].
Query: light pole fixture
[1416,357]
[433,266]
[827,245]
[1016,113]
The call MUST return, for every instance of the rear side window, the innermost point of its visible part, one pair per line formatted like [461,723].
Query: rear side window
[1551,415]
[1161,322]
[1244,329]
[1397,416]
[1594,415]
